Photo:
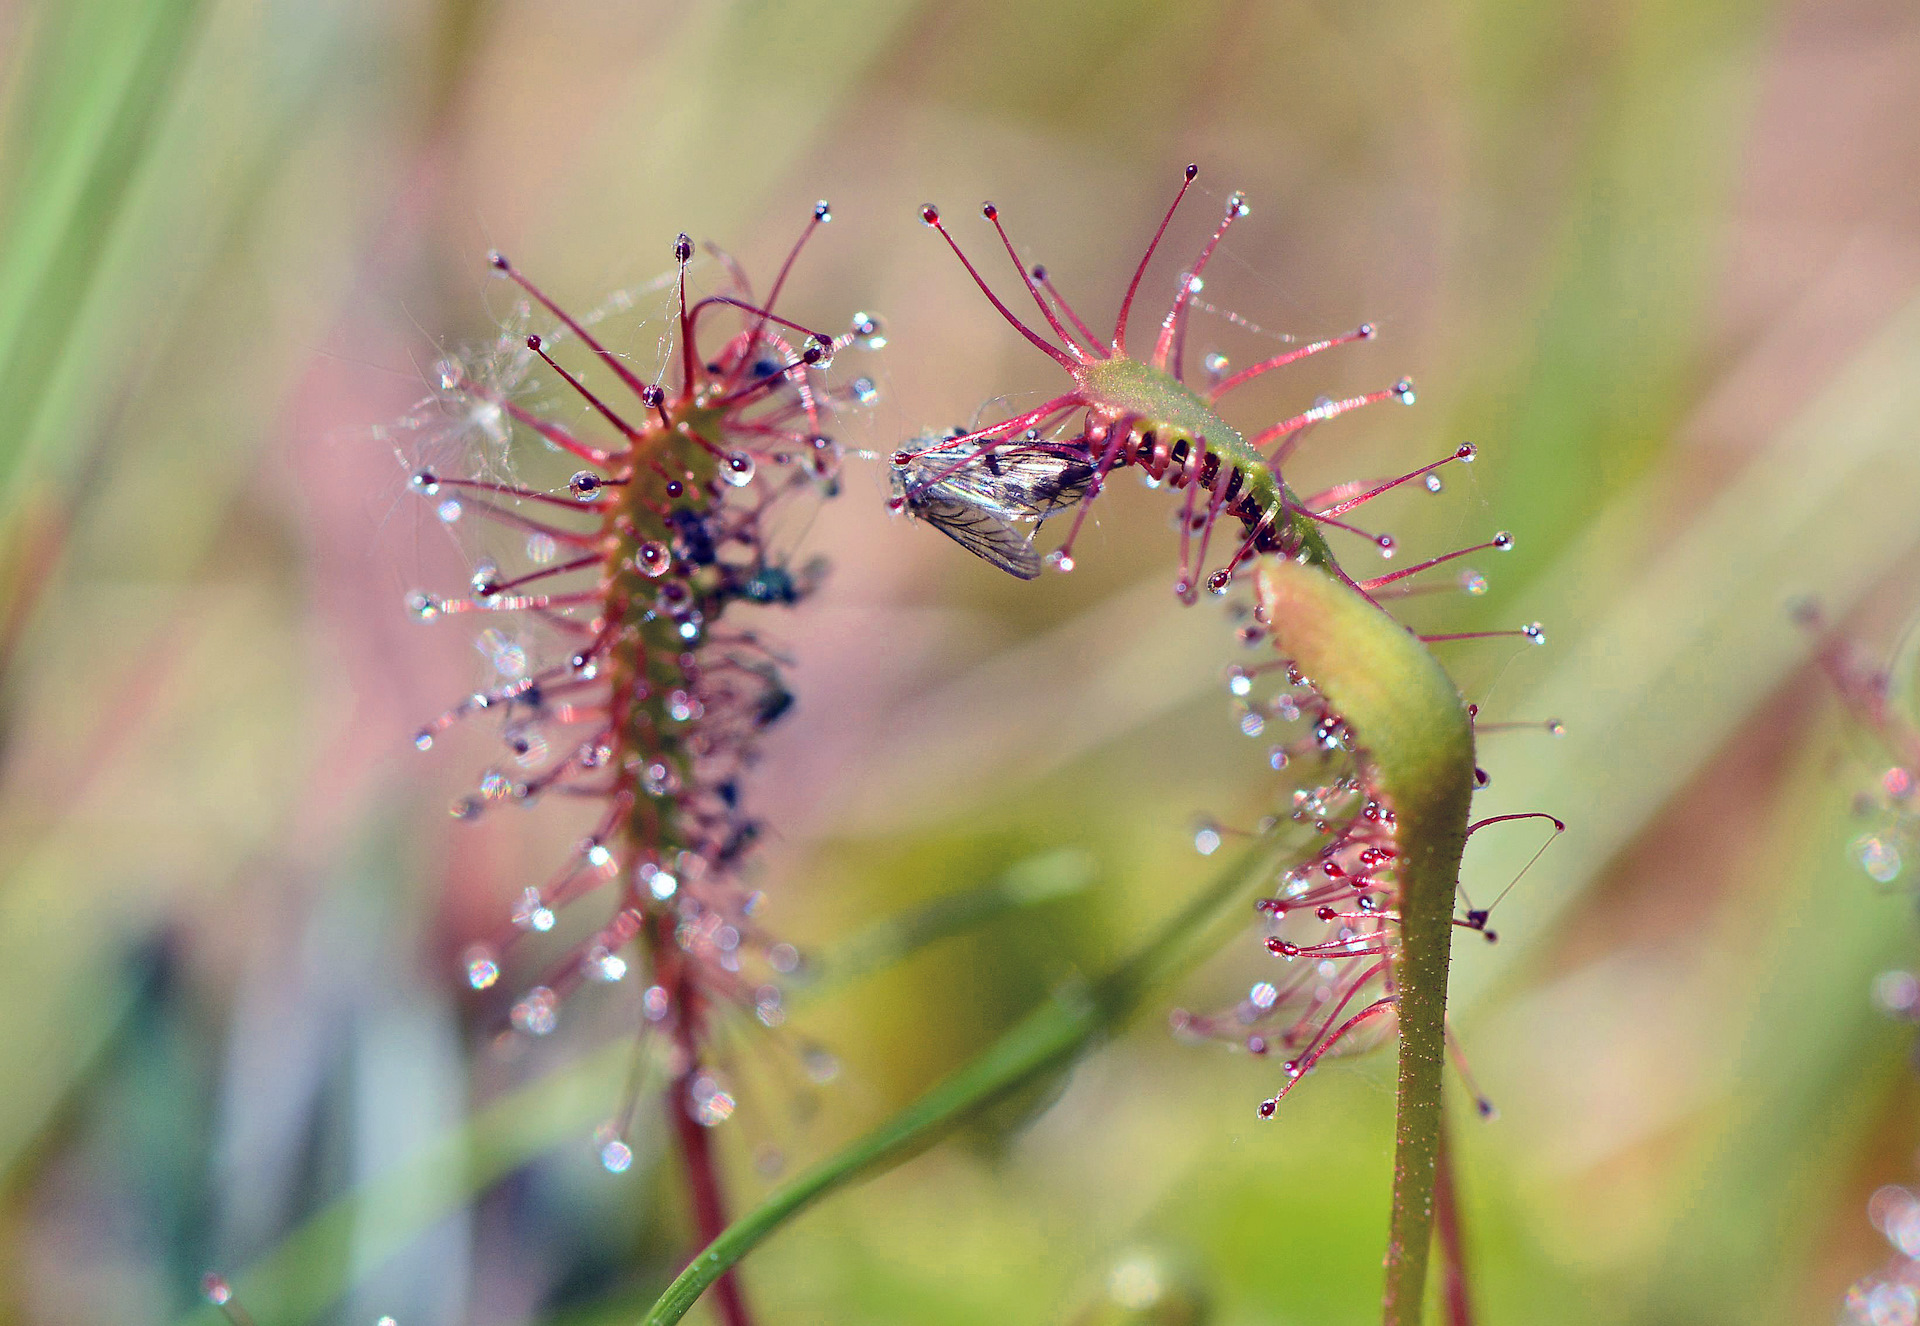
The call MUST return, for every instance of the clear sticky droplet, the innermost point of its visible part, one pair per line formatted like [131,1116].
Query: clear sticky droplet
[448,511]
[1878,856]
[1206,840]
[541,548]
[864,390]
[481,965]
[653,559]
[737,469]
[216,1290]
[869,332]
[537,1014]
[616,1157]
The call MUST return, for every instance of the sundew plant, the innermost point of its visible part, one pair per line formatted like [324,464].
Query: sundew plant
[522,805]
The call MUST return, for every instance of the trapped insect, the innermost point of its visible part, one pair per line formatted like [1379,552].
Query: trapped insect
[974,497]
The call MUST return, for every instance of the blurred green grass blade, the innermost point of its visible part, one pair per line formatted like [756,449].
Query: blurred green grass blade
[1660,659]
[311,1268]
[1029,883]
[81,146]
[1816,1064]
[1049,1037]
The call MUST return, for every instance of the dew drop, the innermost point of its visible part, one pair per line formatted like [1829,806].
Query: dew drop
[709,1105]
[423,739]
[616,1157]
[584,485]
[507,655]
[653,559]
[1503,541]
[655,1003]
[1206,840]
[1466,453]
[1219,581]
[930,214]
[608,968]
[539,1013]
[738,469]
[481,965]
[869,332]
[821,1066]
[1878,856]
[662,885]
[1896,992]
[1268,1106]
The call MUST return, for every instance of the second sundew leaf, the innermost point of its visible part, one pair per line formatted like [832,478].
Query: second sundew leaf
[1414,743]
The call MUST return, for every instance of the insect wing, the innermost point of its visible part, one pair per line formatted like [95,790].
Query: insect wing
[1029,483]
[978,530]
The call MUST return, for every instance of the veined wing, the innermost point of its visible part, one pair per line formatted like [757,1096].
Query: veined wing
[977,529]
[1013,482]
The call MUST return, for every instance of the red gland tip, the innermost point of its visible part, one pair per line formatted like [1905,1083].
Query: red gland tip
[1192,170]
[652,395]
[1364,332]
[498,261]
[1039,273]
[989,211]
[533,343]
[823,211]
[930,214]
[683,248]
[1466,452]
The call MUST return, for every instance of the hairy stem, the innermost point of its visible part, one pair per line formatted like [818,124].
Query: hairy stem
[1453,1256]
[1045,1040]
[1413,731]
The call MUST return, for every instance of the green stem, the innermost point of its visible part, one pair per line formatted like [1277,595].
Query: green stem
[1045,1039]
[1415,736]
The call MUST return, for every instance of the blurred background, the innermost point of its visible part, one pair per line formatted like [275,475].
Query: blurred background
[1658,262]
